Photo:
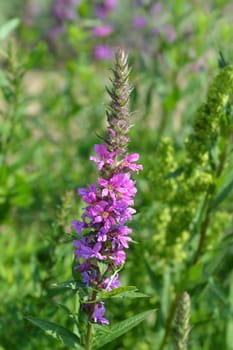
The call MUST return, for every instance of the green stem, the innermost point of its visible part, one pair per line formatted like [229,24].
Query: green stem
[207,218]
[89,327]
[169,321]
[89,336]
[203,231]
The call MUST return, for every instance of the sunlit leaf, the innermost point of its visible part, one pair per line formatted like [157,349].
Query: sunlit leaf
[119,329]
[121,292]
[74,285]
[57,332]
[8,27]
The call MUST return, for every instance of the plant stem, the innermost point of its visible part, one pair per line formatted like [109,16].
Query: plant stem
[203,231]
[206,222]
[89,327]
[89,334]
[169,321]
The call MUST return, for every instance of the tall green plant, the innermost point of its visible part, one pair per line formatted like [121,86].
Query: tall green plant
[102,234]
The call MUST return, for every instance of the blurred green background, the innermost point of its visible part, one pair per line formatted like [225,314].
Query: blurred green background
[54,69]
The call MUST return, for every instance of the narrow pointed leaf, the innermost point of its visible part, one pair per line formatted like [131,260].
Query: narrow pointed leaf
[67,284]
[57,332]
[222,195]
[8,27]
[175,173]
[119,329]
[121,292]
[153,277]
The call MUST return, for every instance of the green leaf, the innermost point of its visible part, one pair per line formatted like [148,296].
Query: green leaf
[121,292]
[222,195]
[102,267]
[71,284]
[192,278]
[8,27]
[229,330]
[175,173]
[64,308]
[148,99]
[57,332]
[119,329]
[3,79]
[153,277]
[218,291]
[166,293]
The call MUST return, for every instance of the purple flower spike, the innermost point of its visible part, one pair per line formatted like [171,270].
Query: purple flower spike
[103,234]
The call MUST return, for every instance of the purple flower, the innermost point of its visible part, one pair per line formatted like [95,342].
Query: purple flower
[105,8]
[105,157]
[102,31]
[111,4]
[102,213]
[111,283]
[77,225]
[138,3]
[139,22]
[102,52]
[64,10]
[119,186]
[88,195]
[129,159]
[89,273]
[120,237]
[118,257]
[101,11]
[156,8]
[170,34]
[156,31]
[84,251]
[99,313]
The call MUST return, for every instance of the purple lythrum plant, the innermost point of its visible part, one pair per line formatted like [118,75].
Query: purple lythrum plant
[102,233]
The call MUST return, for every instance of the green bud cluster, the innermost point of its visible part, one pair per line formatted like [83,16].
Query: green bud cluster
[165,164]
[180,193]
[220,224]
[211,117]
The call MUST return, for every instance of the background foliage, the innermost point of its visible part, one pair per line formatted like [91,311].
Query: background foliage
[52,107]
